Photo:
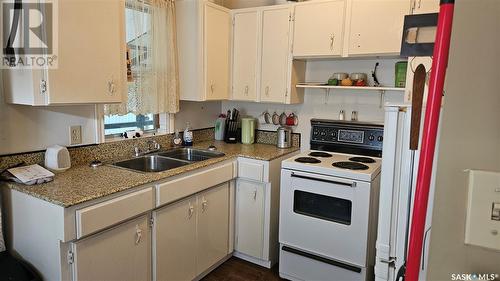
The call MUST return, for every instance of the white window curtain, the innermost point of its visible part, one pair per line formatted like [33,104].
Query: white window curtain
[152,42]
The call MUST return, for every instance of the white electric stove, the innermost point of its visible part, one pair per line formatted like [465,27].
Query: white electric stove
[329,203]
[343,165]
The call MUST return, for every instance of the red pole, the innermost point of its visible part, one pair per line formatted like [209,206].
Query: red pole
[438,74]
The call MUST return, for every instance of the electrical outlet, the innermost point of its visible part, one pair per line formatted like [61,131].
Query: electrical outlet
[75,134]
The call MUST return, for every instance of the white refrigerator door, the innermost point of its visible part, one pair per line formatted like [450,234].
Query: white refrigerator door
[396,182]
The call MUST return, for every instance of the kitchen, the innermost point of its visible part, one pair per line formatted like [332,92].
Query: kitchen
[211,210]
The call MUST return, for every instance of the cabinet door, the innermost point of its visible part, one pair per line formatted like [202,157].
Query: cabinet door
[275,59]
[175,241]
[91,53]
[121,253]
[217,29]
[425,6]
[377,26]
[250,218]
[245,51]
[318,29]
[213,226]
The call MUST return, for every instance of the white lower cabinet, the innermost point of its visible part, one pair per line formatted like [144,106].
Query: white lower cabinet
[250,218]
[121,253]
[212,241]
[256,213]
[191,235]
[175,241]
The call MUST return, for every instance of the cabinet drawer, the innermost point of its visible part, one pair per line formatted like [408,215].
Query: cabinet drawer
[251,170]
[102,215]
[177,189]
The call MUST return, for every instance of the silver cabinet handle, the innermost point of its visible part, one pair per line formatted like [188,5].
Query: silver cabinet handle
[267,91]
[190,211]
[255,195]
[246,90]
[332,40]
[138,235]
[204,204]
[212,87]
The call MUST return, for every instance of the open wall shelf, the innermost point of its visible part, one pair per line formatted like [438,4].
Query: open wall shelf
[359,88]
[328,88]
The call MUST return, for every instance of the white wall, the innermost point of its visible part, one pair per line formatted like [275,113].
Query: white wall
[26,128]
[199,114]
[318,105]
[470,137]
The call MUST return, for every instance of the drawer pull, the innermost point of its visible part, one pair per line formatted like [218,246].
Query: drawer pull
[204,204]
[138,235]
[190,211]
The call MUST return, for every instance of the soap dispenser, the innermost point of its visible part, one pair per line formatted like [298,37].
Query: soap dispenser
[177,140]
[188,136]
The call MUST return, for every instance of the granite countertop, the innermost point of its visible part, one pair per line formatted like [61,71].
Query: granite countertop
[82,183]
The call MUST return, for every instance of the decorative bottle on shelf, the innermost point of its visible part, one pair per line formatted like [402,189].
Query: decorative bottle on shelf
[188,136]
[342,115]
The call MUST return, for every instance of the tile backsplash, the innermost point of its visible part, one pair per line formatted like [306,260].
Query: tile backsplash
[111,151]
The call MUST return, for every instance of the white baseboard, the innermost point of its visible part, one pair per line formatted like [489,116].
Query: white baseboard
[254,260]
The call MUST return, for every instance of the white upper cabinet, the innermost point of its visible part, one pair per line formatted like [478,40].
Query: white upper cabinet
[203,46]
[425,6]
[217,31]
[91,58]
[245,55]
[275,60]
[262,68]
[318,29]
[376,26]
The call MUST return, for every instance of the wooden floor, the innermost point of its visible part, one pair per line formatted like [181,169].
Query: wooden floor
[236,269]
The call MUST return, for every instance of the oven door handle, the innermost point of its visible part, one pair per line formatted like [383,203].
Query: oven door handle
[351,184]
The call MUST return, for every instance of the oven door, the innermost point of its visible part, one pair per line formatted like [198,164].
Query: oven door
[325,215]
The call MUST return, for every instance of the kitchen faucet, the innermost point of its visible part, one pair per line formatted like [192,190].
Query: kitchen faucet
[152,146]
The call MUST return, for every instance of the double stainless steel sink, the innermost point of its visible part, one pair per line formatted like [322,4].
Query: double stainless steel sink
[166,160]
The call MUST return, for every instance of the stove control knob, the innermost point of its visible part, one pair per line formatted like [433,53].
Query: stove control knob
[380,138]
[323,134]
[315,133]
[371,137]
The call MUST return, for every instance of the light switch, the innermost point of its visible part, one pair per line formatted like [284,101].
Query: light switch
[482,226]
[495,211]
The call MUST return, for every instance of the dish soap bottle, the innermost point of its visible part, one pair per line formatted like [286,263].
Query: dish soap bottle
[177,139]
[188,136]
